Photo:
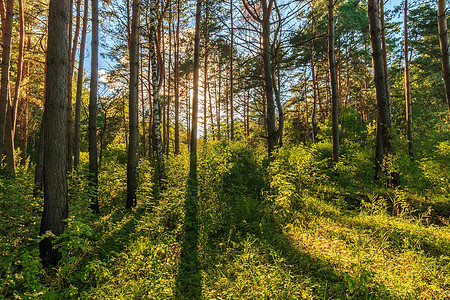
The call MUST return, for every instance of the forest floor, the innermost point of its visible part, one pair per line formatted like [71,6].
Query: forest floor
[285,230]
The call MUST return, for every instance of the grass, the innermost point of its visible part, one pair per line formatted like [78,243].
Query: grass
[288,231]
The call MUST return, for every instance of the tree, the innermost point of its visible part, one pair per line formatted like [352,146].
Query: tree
[7,20]
[76,137]
[334,83]
[93,161]
[155,89]
[408,86]
[443,39]
[72,54]
[266,7]
[133,107]
[54,125]
[231,73]
[384,145]
[177,84]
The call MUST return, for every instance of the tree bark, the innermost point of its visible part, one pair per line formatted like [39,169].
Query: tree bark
[334,83]
[156,102]
[77,135]
[231,73]
[54,125]
[408,88]
[6,61]
[384,123]
[133,107]
[193,149]
[177,85]
[92,127]
[313,74]
[205,83]
[443,40]
[384,47]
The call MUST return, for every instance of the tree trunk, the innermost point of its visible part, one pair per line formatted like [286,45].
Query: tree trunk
[205,84]
[384,124]
[93,162]
[384,47]
[271,128]
[334,83]
[443,39]
[76,138]
[6,61]
[313,74]
[177,85]
[218,100]
[193,150]
[54,125]
[408,89]
[141,80]
[133,144]
[24,113]
[156,103]
[72,54]
[231,73]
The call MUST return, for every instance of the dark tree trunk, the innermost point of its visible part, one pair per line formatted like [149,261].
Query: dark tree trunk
[54,125]
[6,61]
[334,83]
[93,161]
[177,85]
[384,123]
[443,39]
[231,74]
[133,107]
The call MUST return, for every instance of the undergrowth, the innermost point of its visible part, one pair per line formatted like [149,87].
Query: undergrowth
[295,228]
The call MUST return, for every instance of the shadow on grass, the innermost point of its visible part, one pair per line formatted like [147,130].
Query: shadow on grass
[189,281]
[245,215]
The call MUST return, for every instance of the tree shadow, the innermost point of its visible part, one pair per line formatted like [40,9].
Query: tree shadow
[246,215]
[189,280]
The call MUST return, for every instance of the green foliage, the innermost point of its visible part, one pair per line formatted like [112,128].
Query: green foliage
[291,229]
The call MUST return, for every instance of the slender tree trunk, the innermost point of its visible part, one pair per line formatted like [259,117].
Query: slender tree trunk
[384,47]
[20,67]
[93,161]
[169,67]
[219,99]
[133,107]
[141,79]
[408,88]
[193,150]
[9,138]
[6,61]
[443,39]
[72,54]
[177,84]
[24,113]
[77,135]
[313,74]
[205,84]
[55,184]
[231,73]
[156,103]
[334,83]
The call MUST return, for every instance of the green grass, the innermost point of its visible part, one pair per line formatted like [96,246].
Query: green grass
[285,231]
